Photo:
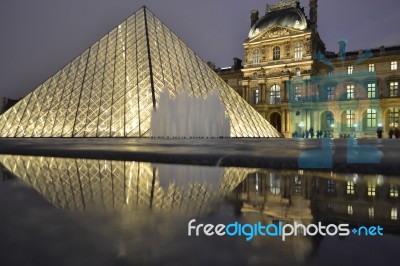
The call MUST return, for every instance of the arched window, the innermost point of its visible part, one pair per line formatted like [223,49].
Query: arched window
[276,53]
[256,56]
[298,50]
[275,94]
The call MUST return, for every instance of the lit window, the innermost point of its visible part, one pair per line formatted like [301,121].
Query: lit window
[275,184]
[297,184]
[393,88]
[371,87]
[371,212]
[393,65]
[256,94]
[276,53]
[330,93]
[350,118]
[371,190]
[350,92]
[394,117]
[297,93]
[256,182]
[275,95]
[331,185]
[350,188]
[329,119]
[330,72]
[350,70]
[371,118]
[298,50]
[394,191]
[393,214]
[371,67]
[256,56]
[349,209]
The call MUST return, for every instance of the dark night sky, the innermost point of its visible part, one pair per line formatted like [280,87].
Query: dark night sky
[39,37]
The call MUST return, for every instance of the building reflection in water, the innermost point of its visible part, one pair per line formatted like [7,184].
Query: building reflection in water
[287,196]
[307,197]
[268,196]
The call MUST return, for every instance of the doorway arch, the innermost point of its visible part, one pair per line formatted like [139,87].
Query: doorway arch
[276,121]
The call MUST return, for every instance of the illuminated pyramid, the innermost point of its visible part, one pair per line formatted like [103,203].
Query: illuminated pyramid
[111,89]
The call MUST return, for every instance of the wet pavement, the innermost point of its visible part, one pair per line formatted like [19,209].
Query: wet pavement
[340,155]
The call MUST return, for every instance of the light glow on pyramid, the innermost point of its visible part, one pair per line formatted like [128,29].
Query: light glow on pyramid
[110,90]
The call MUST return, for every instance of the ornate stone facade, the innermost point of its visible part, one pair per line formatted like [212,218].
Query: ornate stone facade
[292,81]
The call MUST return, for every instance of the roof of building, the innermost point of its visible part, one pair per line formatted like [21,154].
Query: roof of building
[289,18]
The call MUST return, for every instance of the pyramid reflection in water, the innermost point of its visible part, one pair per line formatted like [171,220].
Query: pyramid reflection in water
[84,184]
[111,89]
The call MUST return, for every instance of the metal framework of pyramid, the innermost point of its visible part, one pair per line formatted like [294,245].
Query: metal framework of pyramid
[111,89]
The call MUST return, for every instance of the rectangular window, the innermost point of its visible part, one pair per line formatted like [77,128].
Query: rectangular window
[371,67]
[298,50]
[297,94]
[393,65]
[393,88]
[371,87]
[371,212]
[330,120]
[371,190]
[330,93]
[256,97]
[350,70]
[330,72]
[350,188]
[394,191]
[350,118]
[349,209]
[393,214]
[371,118]
[350,92]
[256,56]
[394,117]
[331,185]
[297,185]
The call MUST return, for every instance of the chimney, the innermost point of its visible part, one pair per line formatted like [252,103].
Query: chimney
[314,14]
[237,63]
[342,50]
[382,50]
[254,17]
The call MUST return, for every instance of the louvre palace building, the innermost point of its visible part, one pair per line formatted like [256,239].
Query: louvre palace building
[289,77]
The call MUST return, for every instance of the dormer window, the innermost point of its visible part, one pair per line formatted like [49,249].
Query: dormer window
[276,53]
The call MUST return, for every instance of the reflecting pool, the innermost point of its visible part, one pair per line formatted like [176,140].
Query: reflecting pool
[61,211]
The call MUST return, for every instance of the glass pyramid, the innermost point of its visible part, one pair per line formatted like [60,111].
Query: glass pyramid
[111,89]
